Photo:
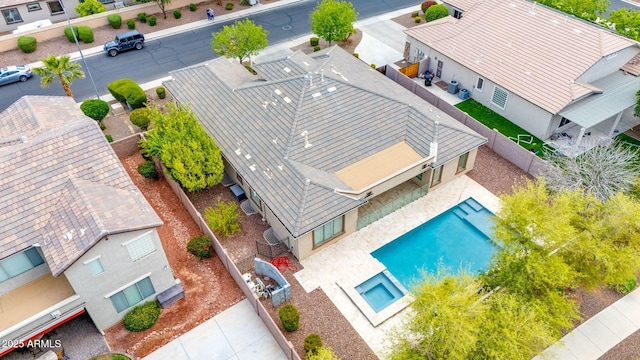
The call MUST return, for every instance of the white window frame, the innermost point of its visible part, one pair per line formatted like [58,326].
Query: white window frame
[333,232]
[437,176]
[506,98]
[93,260]
[129,245]
[130,284]
[480,80]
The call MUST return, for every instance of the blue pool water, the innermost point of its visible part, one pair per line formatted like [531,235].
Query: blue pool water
[380,291]
[459,237]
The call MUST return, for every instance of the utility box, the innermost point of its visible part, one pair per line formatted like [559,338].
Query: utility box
[453,87]
[463,94]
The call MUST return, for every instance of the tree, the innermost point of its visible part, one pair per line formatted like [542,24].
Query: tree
[436,12]
[192,157]
[60,67]
[89,7]
[627,23]
[333,20]
[604,170]
[161,4]
[240,40]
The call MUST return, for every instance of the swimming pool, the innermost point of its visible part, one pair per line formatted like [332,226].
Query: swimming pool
[459,237]
[380,291]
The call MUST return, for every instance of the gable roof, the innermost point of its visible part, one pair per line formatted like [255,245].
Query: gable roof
[336,105]
[527,48]
[61,184]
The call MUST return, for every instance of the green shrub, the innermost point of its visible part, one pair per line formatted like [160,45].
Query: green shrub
[245,3]
[127,90]
[223,219]
[192,7]
[148,170]
[627,286]
[356,55]
[426,5]
[141,118]
[142,17]
[27,44]
[152,20]
[373,66]
[115,20]
[314,41]
[90,7]
[229,6]
[131,24]
[109,138]
[85,34]
[289,316]
[415,13]
[316,48]
[177,14]
[323,353]
[68,32]
[417,19]
[95,108]
[161,92]
[200,246]
[436,12]
[142,317]
[312,343]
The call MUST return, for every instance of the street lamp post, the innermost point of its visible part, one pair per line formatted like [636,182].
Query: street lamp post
[75,38]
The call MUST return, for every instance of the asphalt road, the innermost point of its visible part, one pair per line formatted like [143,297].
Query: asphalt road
[161,56]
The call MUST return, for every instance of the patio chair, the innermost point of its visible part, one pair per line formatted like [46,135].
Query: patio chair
[525,138]
[247,208]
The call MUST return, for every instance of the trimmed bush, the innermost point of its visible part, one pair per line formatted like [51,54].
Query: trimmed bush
[316,48]
[417,19]
[192,7]
[314,41]
[415,13]
[223,219]
[627,286]
[85,34]
[95,108]
[161,92]
[131,24]
[426,5]
[127,90]
[152,20]
[229,6]
[90,7]
[68,32]
[142,317]
[373,66]
[356,55]
[115,21]
[289,316]
[109,138]
[245,3]
[436,12]
[177,14]
[312,343]
[27,44]
[142,17]
[148,170]
[141,118]
[200,246]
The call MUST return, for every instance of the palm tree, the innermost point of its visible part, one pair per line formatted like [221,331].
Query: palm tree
[61,67]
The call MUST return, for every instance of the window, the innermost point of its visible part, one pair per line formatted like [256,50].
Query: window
[437,176]
[141,246]
[55,7]
[132,295]
[462,162]
[499,97]
[11,16]
[564,122]
[479,84]
[33,7]
[19,263]
[95,266]
[328,231]
[457,13]
[256,199]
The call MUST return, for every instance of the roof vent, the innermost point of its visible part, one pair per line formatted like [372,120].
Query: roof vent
[305,134]
[238,151]
[277,91]
[286,99]
[577,31]
[268,172]
[248,156]
[286,69]
[23,138]
[331,89]
[252,167]
[315,95]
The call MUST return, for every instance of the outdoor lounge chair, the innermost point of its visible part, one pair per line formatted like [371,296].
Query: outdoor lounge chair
[247,208]
[271,237]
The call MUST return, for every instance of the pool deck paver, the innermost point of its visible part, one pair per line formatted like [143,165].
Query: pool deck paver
[348,261]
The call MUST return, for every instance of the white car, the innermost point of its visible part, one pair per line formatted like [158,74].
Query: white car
[11,74]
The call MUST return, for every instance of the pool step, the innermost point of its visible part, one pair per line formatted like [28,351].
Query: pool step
[460,213]
[474,204]
[466,208]
[480,222]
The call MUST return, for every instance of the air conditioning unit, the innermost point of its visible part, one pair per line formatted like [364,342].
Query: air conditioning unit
[56,314]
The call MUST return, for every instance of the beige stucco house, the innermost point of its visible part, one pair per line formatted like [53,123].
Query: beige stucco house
[313,138]
[76,235]
[551,74]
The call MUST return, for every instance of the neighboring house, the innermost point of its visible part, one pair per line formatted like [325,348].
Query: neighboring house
[547,72]
[76,235]
[313,138]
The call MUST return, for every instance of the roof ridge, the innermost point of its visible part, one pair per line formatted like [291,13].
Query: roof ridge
[303,202]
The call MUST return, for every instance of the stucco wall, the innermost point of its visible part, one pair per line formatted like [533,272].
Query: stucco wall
[608,65]
[119,271]
[24,278]
[304,243]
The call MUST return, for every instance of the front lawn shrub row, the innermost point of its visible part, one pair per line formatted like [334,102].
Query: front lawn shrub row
[223,219]
[27,44]
[314,41]
[177,14]
[109,138]
[161,92]
[115,21]
[229,6]
[192,7]
[200,246]
[152,20]
[289,316]
[141,118]
[85,34]
[148,170]
[68,32]
[312,343]
[142,17]
[131,24]
[127,90]
[415,13]
[426,5]
[417,19]
[95,108]
[142,317]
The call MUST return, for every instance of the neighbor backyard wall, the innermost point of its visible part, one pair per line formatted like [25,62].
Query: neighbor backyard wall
[502,145]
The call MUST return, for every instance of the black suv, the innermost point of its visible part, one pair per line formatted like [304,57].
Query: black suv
[123,42]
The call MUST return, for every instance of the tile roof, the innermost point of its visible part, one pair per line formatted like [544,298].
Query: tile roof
[61,184]
[527,48]
[347,110]
[463,5]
